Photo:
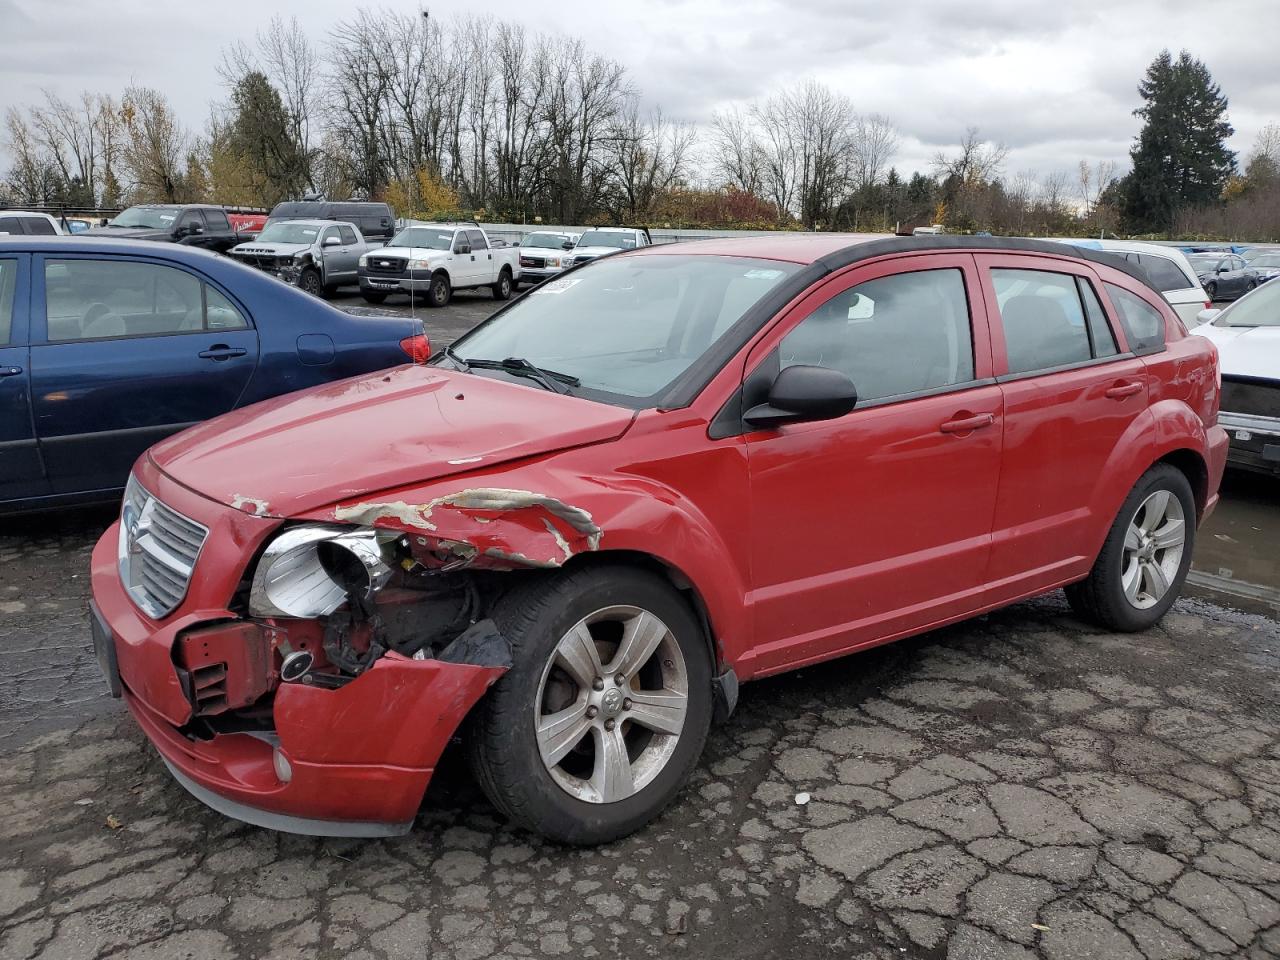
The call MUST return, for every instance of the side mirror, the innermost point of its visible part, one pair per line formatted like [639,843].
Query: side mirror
[803,393]
[331,242]
[1208,316]
[190,230]
[567,245]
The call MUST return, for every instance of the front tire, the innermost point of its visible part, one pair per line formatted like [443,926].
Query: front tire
[502,289]
[1144,560]
[440,291]
[606,710]
[309,282]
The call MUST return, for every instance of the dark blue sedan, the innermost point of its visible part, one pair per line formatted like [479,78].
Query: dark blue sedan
[107,346]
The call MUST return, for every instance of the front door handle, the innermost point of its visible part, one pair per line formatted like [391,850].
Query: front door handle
[220,351]
[9,371]
[967,424]
[1122,390]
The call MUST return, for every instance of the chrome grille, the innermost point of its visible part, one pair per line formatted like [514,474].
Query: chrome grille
[157,552]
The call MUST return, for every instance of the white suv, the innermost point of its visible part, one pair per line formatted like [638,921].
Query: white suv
[543,254]
[1168,268]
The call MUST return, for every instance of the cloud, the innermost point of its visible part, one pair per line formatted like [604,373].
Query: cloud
[1056,82]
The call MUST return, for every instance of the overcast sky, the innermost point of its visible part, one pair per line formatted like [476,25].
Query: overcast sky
[1055,81]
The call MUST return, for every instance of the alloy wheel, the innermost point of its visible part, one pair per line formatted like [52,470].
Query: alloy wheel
[1153,546]
[611,704]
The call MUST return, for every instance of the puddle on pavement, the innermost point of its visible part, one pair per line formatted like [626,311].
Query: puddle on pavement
[1237,557]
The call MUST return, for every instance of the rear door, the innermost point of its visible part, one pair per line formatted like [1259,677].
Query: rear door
[348,254]
[486,268]
[125,352]
[1072,388]
[21,471]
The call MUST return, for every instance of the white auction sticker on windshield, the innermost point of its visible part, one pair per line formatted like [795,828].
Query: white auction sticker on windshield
[166,217]
[762,274]
[557,286]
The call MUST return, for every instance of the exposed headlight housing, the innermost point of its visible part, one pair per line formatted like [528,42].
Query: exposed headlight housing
[310,571]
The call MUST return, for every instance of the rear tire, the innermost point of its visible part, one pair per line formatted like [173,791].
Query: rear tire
[612,772]
[502,289]
[372,296]
[440,292]
[1144,560]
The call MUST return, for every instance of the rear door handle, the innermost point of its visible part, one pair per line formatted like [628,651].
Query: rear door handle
[967,424]
[10,371]
[1122,390]
[221,351]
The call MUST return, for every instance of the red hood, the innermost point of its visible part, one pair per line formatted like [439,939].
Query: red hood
[303,451]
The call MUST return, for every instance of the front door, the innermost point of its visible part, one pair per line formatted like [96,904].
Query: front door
[1072,389]
[124,353]
[21,472]
[877,523]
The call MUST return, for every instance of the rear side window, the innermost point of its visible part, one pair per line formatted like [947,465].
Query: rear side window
[8,281]
[1043,319]
[221,313]
[1143,324]
[40,227]
[1100,335]
[1164,273]
[11,226]
[217,220]
[895,335]
[99,299]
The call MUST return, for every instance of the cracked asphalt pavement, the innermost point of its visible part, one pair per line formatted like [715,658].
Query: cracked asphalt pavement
[1020,785]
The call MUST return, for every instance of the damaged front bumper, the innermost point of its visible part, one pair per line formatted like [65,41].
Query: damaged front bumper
[347,760]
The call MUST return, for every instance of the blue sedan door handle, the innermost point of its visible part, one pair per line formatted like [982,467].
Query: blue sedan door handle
[220,351]
[10,371]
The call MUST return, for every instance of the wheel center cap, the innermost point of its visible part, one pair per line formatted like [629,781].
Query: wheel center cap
[611,702]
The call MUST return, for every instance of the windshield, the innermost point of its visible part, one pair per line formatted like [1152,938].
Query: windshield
[1259,309]
[1204,261]
[433,238]
[1267,260]
[153,218]
[627,327]
[550,240]
[606,238]
[289,232]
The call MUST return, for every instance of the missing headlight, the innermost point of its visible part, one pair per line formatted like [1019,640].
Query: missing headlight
[311,571]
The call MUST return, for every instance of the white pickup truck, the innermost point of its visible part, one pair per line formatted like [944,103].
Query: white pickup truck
[432,260]
[602,241]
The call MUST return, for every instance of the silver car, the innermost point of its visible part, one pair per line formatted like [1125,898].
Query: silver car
[317,255]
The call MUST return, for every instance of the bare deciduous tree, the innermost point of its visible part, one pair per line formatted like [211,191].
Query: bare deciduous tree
[154,150]
[875,141]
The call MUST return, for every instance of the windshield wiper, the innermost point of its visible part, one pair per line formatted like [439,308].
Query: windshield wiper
[553,380]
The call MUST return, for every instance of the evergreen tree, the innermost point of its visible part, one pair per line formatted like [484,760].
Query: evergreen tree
[261,137]
[1180,158]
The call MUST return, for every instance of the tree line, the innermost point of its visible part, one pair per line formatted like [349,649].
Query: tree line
[474,116]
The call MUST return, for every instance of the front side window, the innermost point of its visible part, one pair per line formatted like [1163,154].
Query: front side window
[626,328]
[895,335]
[1143,324]
[347,234]
[40,227]
[97,299]
[1043,319]
[11,226]
[8,281]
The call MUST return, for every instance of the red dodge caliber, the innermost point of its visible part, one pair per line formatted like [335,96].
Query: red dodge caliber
[572,534]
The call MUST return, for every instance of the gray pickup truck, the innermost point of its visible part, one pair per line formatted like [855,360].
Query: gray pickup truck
[317,255]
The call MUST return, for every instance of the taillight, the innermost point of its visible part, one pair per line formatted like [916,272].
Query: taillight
[1208,304]
[417,347]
